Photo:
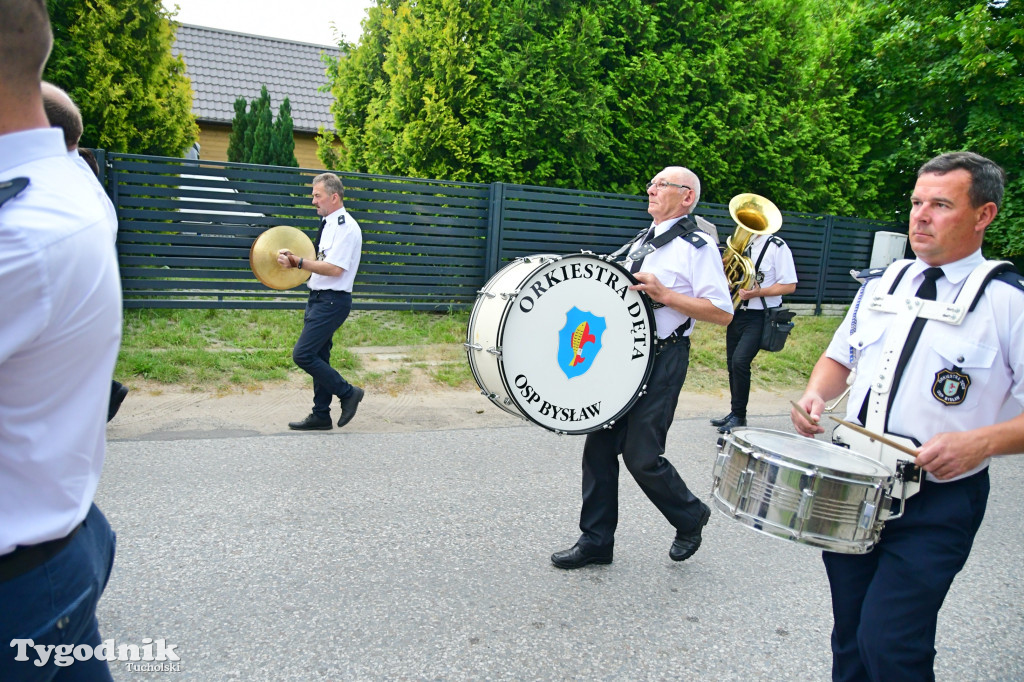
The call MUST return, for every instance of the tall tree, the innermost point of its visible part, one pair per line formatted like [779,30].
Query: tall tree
[283,146]
[239,124]
[114,59]
[825,106]
[262,122]
[257,138]
[942,76]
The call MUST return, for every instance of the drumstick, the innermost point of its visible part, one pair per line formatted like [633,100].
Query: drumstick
[802,412]
[875,436]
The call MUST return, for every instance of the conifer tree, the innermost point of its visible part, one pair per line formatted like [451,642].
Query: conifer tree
[114,58]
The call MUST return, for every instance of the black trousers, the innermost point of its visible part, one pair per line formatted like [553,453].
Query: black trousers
[640,438]
[886,603]
[742,342]
[325,312]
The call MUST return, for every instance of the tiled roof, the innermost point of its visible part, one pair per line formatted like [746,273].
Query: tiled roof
[224,66]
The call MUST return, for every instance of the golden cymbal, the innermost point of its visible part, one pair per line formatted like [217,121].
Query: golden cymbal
[263,256]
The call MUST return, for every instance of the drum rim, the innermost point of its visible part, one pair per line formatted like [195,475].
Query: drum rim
[473,318]
[640,390]
[839,473]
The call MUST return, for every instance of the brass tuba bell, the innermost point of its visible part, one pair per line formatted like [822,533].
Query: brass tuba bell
[754,215]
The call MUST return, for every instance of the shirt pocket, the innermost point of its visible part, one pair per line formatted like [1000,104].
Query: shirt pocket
[965,354]
[864,337]
[963,370]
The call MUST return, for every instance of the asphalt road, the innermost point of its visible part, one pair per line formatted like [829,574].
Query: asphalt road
[424,556]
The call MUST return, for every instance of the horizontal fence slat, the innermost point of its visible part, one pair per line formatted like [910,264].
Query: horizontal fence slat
[186,227]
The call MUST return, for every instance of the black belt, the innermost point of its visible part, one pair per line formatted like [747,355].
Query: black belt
[676,336]
[24,558]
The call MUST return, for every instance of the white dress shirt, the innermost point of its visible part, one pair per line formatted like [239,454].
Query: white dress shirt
[341,244]
[987,347]
[687,270]
[59,339]
[777,267]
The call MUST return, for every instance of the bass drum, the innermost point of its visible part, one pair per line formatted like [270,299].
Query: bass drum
[562,341]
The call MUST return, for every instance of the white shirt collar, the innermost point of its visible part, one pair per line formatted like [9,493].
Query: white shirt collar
[30,145]
[955,272]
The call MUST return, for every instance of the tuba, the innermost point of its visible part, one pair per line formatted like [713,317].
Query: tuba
[754,215]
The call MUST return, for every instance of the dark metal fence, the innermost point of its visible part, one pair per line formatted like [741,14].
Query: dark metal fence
[186,228]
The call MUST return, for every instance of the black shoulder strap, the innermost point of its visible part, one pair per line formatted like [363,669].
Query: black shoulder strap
[771,240]
[1004,272]
[902,272]
[688,230]
[11,188]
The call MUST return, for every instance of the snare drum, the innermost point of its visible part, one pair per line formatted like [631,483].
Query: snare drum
[800,489]
[562,341]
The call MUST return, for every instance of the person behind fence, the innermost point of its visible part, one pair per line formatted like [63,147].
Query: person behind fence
[955,394]
[685,278]
[62,112]
[338,247]
[59,340]
[775,277]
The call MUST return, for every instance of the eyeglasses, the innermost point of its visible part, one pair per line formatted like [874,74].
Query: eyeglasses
[662,184]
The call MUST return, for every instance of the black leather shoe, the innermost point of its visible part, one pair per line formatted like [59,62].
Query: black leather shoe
[118,392]
[577,557]
[684,546]
[311,423]
[731,423]
[349,405]
[721,420]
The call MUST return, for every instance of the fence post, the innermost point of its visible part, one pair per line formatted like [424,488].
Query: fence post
[495,211]
[826,250]
[101,161]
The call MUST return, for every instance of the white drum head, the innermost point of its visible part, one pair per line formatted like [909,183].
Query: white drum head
[576,344]
[810,452]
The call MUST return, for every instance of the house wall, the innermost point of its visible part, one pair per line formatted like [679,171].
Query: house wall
[213,143]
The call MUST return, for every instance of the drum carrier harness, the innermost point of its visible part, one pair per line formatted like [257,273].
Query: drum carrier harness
[685,227]
[906,309]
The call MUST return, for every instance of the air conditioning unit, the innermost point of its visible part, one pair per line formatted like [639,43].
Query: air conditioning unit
[887,247]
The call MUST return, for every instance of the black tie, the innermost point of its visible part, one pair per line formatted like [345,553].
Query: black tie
[635,266]
[320,233]
[926,291]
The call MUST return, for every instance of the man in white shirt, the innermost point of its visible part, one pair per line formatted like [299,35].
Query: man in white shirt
[339,248]
[686,280]
[956,392]
[775,277]
[59,339]
[63,113]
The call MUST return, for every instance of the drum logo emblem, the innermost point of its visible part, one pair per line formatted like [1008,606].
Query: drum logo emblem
[950,387]
[579,341]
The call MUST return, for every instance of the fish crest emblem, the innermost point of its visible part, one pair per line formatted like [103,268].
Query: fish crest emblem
[579,341]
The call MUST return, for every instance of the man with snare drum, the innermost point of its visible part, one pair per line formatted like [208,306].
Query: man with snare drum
[685,278]
[935,343]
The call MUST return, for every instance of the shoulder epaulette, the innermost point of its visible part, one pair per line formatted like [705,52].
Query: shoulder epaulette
[1011,277]
[695,239]
[776,240]
[868,273]
[999,270]
[11,188]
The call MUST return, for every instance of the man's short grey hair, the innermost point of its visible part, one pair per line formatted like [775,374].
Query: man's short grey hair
[690,179]
[987,178]
[63,113]
[331,183]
